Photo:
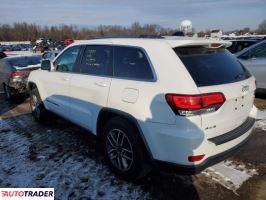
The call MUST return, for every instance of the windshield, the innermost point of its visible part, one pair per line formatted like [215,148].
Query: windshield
[211,66]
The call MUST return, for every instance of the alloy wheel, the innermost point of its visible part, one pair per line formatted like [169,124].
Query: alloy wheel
[119,149]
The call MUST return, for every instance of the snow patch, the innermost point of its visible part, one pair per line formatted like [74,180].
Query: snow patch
[261,120]
[230,175]
[73,175]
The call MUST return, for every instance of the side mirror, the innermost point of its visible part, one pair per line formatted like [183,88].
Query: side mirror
[46,65]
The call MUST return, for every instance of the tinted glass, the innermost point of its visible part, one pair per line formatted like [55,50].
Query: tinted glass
[67,60]
[211,66]
[130,62]
[24,61]
[259,51]
[97,60]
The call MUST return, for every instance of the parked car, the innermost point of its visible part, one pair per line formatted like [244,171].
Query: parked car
[183,104]
[2,55]
[14,72]
[240,44]
[254,59]
[50,55]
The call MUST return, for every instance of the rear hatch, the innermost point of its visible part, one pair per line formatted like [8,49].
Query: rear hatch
[215,70]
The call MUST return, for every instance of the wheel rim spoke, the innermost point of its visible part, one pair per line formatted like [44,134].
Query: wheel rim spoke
[124,162]
[122,140]
[110,142]
[126,150]
[126,157]
[119,150]
[113,156]
[119,162]
[111,151]
[115,141]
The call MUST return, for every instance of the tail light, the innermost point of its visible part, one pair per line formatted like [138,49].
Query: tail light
[18,74]
[187,105]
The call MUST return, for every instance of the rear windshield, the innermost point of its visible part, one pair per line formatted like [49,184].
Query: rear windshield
[211,66]
[24,61]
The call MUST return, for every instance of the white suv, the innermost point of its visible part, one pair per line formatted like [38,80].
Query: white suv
[184,104]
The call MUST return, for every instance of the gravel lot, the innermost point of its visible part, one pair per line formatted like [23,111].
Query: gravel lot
[58,154]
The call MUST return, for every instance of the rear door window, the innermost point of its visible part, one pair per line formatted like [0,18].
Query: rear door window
[211,66]
[97,60]
[131,63]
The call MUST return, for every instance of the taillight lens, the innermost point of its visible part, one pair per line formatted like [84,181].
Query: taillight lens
[195,104]
[195,158]
[18,74]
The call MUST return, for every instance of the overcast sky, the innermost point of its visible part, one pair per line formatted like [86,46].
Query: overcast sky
[204,14]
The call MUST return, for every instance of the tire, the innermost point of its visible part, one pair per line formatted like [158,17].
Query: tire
[38,110]
[7,92]
[123,150]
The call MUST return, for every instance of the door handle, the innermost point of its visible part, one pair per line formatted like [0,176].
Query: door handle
[65,79]
[101,84]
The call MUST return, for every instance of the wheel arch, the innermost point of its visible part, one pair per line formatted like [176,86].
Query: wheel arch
[107,113]
[31,85]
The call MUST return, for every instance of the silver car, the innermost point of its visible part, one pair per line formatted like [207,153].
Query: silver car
[14,72]
[254,59]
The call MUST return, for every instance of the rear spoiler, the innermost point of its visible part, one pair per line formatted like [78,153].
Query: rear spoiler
[202,42]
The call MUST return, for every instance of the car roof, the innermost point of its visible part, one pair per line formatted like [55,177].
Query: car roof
[173,41]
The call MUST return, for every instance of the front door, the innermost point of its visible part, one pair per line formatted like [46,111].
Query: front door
[90,86]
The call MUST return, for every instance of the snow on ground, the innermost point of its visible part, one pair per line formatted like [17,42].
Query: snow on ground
[261,120]
[30,161]
[230,175]
[41,156]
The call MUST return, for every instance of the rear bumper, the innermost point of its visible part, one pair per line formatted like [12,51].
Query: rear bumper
[195,169]
[171,145]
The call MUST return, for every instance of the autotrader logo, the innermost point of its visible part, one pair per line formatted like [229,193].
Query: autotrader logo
[27,193]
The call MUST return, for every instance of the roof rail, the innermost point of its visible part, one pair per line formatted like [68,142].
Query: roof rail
[129,36]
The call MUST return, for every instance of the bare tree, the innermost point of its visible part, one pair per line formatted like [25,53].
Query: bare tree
[262,27]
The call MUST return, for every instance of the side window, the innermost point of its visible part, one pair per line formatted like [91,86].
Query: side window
[132,63]
[66,61]
[97,60]
[259,51]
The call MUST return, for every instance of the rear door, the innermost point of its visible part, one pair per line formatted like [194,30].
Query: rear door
[90,85]
[217,70]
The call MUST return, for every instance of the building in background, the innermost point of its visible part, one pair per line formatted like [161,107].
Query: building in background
[216,33]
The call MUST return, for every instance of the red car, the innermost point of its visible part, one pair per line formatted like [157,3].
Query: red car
[68,42]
